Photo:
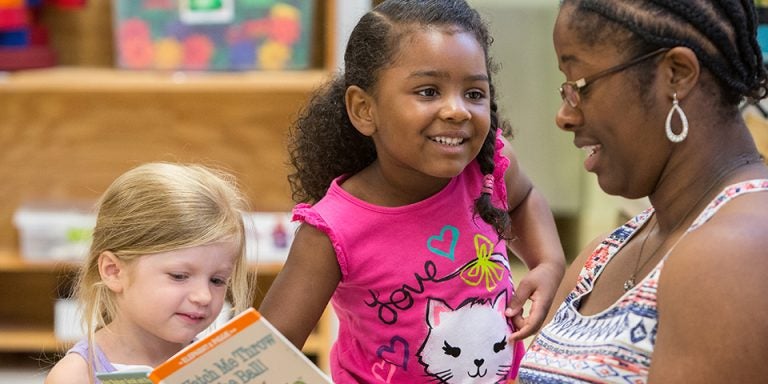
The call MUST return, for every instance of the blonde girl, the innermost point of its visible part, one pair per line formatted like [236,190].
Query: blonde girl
[168,250]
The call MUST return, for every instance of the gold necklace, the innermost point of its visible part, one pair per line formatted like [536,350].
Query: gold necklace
[631,281]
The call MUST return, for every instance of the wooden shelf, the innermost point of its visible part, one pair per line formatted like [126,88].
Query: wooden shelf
[95,79]
[11,262]
[17,339]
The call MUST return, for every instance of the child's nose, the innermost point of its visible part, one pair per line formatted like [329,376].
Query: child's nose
[201,294]
[455,109]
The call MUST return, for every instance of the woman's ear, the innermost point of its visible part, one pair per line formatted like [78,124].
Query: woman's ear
[360,110]
[112,271]
[681,71]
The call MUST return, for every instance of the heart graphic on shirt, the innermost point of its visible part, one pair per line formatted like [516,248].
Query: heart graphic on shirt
[383,369]
[398,348]
[439,245]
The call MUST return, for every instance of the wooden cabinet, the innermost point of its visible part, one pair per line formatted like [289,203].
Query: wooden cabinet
[67,132]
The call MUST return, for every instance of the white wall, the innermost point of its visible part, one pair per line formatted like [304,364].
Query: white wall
[348,12]
[528,96]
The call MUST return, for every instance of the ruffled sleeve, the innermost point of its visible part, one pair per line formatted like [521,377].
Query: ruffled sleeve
[305,213]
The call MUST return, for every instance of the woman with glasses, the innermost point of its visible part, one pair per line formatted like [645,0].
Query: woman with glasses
[678,294]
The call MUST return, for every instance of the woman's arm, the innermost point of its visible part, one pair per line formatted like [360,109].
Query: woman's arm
[536,242]
[713,310]
[300,293]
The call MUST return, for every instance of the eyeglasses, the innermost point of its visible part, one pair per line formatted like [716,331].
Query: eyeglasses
[570,91]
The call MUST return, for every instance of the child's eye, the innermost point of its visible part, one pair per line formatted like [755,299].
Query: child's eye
[178,276]
[475,95]
[219,282]
[427,92]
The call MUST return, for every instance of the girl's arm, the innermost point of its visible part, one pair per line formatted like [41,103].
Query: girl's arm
[71,369]
[301,291]
[536,242]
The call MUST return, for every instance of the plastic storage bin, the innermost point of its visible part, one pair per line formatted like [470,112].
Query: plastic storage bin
[268,236]
[51,231]
[67,321]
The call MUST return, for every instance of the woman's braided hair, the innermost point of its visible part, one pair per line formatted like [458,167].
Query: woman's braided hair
[722,33]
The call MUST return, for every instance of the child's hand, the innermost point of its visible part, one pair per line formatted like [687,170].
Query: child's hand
[539,285]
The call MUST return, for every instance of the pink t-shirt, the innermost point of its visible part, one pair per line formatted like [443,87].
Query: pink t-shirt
[423,288]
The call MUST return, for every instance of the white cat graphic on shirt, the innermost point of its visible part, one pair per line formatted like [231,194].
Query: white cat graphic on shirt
[467,344]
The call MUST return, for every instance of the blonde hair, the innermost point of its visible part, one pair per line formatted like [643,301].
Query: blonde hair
[161,207]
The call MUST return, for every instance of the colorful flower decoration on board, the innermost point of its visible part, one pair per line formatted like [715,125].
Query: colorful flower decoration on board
[135,45]
[198,50]
[134,28]
[264,34]
[236,34]
[160,4]
[242,55]
[285,24]
[258,28]
[168,53]
[274,55]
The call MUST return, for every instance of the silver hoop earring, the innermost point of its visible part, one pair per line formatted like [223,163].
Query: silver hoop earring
[668,125]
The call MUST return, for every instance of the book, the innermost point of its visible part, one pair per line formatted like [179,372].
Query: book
[247,349]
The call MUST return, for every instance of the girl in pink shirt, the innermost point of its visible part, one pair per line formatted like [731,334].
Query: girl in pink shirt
[409,198]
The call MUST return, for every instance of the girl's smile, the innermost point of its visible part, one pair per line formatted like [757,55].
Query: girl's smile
[192,318]
[449,141]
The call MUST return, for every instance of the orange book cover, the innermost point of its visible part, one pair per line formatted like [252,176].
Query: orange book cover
[247,349]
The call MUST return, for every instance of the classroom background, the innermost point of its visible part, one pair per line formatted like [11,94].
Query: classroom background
[91,88]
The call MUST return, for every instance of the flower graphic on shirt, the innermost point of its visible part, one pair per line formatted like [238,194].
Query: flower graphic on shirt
[486,268]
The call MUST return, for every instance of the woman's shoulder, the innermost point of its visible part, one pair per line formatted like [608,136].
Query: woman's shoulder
[738,226]
[736,232]
[724,254]
[711,292]
[71,369]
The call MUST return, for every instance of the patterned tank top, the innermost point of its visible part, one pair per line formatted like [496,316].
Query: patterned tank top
[615,345]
